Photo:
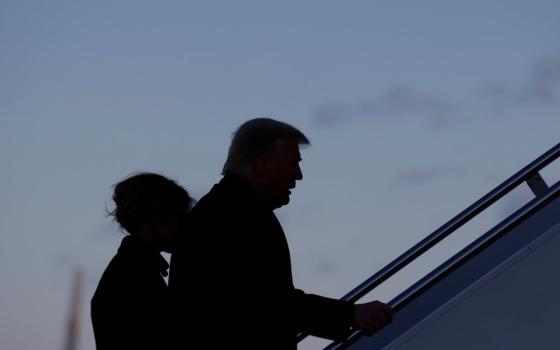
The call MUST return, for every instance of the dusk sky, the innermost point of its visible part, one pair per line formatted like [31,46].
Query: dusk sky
[414,109]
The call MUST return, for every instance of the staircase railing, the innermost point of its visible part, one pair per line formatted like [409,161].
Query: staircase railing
[529,174]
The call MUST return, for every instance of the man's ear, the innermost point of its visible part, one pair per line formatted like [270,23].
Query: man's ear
[259,166]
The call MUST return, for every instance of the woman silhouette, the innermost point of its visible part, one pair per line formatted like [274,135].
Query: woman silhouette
[129,309]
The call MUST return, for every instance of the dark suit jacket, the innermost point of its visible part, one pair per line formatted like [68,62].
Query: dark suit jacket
[231,278]
[129,309]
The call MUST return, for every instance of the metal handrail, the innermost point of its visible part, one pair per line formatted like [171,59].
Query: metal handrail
[451,226]
[457,260]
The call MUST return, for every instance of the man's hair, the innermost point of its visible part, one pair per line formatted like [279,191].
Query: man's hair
[258,137]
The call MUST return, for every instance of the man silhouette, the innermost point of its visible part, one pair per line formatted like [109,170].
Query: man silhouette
[231,276]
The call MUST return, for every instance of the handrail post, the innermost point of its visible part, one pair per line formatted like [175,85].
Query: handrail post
[537,184]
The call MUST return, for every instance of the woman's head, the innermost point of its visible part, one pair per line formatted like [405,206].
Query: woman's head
[152,206]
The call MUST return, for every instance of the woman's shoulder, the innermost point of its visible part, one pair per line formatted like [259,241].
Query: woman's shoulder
[132,267]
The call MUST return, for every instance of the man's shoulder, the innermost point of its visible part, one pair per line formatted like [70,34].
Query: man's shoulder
[224,199]
[213,202]
[221,213]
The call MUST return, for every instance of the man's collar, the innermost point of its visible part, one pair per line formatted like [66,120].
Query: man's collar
[241,184]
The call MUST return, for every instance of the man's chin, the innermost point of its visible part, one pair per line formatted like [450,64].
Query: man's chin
[281,202]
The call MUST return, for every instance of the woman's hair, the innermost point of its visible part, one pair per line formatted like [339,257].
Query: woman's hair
[142,197]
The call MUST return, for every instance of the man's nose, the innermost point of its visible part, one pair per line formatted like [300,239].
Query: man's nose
[299,174]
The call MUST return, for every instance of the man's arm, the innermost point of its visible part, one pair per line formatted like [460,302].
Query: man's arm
[321,316]
[333,319]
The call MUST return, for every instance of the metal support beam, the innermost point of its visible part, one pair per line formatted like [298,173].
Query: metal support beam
[537,184]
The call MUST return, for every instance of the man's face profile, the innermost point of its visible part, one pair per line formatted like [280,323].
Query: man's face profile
[280,173]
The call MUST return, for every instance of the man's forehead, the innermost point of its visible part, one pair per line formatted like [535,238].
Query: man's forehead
[289,147]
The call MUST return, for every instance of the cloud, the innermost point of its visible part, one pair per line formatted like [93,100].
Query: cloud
[543,81]
[396,103]
[422,177]
[401,103]
[333,113]
[405,100]
[541,85]
[326,267]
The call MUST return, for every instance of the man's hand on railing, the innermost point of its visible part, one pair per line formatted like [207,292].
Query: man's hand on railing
[371,317]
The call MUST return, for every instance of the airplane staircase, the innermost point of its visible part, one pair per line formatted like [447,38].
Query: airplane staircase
[499,292]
